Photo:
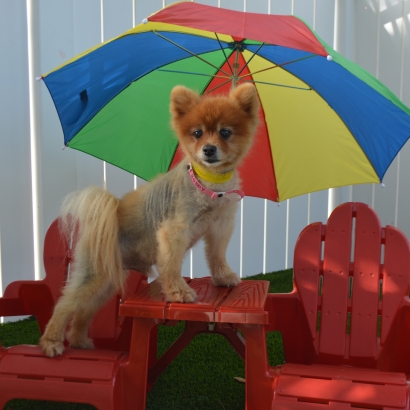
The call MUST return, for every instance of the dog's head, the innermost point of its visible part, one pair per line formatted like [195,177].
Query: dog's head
[215,131]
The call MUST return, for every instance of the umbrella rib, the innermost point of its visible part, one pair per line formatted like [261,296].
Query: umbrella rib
[190,52]
[187,72]
[280,85]
[278,65]
[223,50]
[253,55]
[219,85]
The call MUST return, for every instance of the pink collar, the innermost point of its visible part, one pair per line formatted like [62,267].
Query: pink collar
[210,193]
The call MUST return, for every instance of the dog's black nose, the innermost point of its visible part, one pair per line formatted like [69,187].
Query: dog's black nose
[209,150]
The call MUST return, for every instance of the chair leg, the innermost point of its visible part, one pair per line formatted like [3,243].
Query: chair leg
[258,388]
[135,371]
[232,336]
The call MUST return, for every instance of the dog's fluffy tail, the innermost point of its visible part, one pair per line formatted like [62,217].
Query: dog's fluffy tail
[93,211]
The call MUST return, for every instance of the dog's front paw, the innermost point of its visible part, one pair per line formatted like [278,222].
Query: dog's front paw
[179,292]
[51,348]
[226,279]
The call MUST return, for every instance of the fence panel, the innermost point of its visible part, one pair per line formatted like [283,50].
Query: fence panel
[389,73]
[16,226]
[373,33]
[403,190]
[382,47]
[65,28]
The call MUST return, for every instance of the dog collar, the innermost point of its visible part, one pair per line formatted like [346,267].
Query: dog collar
[211,177]
[212,194]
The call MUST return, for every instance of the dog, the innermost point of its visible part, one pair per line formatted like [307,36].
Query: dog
[160,221]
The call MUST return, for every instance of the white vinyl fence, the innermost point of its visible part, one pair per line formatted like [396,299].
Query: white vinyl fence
[35,173]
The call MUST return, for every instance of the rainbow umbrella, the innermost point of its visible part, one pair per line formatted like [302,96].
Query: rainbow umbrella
[325,122]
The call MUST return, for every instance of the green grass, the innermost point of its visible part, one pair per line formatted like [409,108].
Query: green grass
[202,377]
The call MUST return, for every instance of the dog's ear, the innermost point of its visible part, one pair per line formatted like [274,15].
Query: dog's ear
[247,97]
[182,101]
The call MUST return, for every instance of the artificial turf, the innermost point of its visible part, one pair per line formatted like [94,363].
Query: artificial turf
[202,377]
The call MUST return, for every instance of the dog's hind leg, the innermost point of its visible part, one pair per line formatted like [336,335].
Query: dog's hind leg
[77,336]
[173,243]
[52,341]
[83,295]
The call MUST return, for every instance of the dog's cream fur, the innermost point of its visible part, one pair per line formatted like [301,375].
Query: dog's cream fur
[157,223]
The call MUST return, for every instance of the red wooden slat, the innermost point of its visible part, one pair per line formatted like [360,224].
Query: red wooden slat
[245,304]
[203,309]
[69,353]
[86,365]
[395,276]
[98,394]
[68,369]
[343,391]
[286,404]
[56,258]
[306,268]
[336,281]
[365,299]
[344,373]
[147,302]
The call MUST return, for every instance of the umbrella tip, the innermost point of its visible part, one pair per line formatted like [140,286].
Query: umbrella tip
[329,58]
[39,78]
[145,21]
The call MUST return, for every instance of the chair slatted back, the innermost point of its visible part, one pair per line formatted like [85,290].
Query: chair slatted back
[351,275]
[335,286]
[57,258]
[366,279]
[307,271]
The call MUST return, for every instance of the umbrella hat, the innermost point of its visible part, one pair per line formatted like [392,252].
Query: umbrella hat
[325,122]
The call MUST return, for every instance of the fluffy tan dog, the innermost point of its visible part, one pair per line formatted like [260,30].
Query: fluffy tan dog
[157,223]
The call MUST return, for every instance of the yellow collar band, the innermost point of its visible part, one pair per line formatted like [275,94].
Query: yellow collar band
[212,177]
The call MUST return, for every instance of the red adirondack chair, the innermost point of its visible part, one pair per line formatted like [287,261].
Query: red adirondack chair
[84,376]
[346,324]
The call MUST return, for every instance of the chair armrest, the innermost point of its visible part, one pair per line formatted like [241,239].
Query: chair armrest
[281,307]
[287,316]
[10,306]
[395,354]
[28,298]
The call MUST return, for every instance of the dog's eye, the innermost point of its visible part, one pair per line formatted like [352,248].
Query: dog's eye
[198,134]
[225,133]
